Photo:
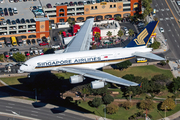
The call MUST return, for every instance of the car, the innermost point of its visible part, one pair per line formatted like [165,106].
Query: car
[14,49]
[31,52]
[40,7]
[75,3]
[8,21]
[55,46]
[1,1]
[39,41]
[93,1]
[125,29]
[11,13]
[66,3]
[5,10]
[62,3]
[27,21]
[53,26]
[0,45]
[18,64]
[15,10]
[6,54]
[10,54]
[22,20]
[26,53]
[15,1]
[41,52]
[4,22]
[34,8]
[32,20]
[11,1]
[13,22]
[43,43]
[49,5]
[18,21]
[2,14]
[10,9]
[33,48]
[178,2]
[84,2]
[6,13]
[28,42]
[35,52]
[127,33]
[88,2]
[97,1]
[9,65]
[33,41]
[161,29]
[44,39]
[25,0]
[71,3]
[55,38]
[57,4]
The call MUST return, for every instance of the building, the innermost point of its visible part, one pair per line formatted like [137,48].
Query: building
[100,11]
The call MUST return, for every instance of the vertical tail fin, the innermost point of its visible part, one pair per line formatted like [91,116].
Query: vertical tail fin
[143,37]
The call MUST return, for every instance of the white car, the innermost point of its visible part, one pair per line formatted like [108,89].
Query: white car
[15,10]
[1,1]
[127,33]
[161,29]
[35,52]
[55,46]
[93,1]
[178,2]
[53,26]
[11,1]
[125,29]
[41,52]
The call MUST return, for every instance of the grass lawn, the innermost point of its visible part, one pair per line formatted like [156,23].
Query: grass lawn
[123,114]
[144,71]
[12,80]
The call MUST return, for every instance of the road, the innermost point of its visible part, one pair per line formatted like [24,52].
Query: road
[171,27]
[38,113]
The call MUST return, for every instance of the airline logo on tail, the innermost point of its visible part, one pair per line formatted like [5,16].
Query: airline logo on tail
[140,37]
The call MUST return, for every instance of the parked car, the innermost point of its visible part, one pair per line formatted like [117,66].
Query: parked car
[6,13]
[13,22]
[11,13]
[55,38]
[10,54]
[161,29]
[35,52]
[0,45]
[31,52]
[2,13]
[43,43]
[15,10]
[10,9]
[41,52]
[53,26]
[22,20]
[26,53]
[11,1]
[125,29]
[55,46]
[8,21]
[6,54]
[44,39]
[33,41]
[39,41]
[9,65]
[18,21]
[28,42]
[75,3]
[5,9]
[14,49]
[27,21]
[32,20]
[49,5]
[15,1]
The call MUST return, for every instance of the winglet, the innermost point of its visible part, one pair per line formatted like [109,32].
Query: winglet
[140,84]
[143,37]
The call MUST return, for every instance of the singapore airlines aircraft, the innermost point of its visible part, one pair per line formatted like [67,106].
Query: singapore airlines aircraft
[78,59]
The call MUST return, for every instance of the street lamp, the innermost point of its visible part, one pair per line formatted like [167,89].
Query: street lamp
[165,112]
[35,93]
[104,112]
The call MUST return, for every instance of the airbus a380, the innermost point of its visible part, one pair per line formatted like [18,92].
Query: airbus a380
[78,59]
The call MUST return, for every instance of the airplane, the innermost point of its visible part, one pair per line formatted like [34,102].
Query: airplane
[78,59]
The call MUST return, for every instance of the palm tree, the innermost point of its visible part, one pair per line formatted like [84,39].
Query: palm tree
[109,34]
[97,36]
[120,33]
[131,32]
[130,94]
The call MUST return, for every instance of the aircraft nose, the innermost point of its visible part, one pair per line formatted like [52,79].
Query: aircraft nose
[21,68]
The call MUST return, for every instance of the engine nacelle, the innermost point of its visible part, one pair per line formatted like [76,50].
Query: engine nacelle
[97,84]
[76,79]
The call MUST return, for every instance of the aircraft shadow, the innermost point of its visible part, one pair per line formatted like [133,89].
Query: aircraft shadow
[48,92]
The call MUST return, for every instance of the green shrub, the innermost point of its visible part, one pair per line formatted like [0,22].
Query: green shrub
[111,109]
[155,45]
[96,102]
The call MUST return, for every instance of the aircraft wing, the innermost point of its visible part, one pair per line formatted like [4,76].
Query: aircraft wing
[148,55]
[82,39]
[100,75]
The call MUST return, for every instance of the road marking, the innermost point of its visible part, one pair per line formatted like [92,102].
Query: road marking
[172,35]
[34,111]
[167,9]
[167,18]
[167,25]
[9,107]
[172,24]
[162,3]
[169,30]
[61,114]
[162,9]
[11,104]
[157,10]
[175,40]
[167,14]
[178,46]
[172,13]
[34,115]
[59,117]
[175,29]
[8,110]
[172,17]
[37,108]
[161,19]
[178,34]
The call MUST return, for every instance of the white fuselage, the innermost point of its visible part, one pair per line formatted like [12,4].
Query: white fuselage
[92,59]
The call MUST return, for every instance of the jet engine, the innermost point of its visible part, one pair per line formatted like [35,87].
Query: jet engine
[97,84]
[76,79]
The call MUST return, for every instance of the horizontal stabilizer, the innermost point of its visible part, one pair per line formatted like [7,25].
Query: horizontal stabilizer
[148,55]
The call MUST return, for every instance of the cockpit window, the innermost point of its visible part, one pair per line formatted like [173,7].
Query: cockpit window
[25,64]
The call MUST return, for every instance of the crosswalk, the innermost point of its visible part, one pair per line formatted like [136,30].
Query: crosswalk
[166,19]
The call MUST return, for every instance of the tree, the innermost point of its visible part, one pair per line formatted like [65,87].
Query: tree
[168,104]
[163,62]
[175,85]
[107,99]
[111,109]
[146,104]
[131,32]
[118,18]
[85,91]
[96,102]
[120,33]
[97,36]
[127,105]
[129,93]
[19,57]
[109,34]
[1,57]
[123,65]
[100,91]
